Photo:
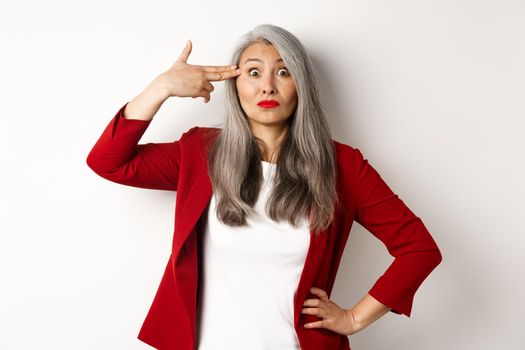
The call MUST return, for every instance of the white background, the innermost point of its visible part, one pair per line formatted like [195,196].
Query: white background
[432,92]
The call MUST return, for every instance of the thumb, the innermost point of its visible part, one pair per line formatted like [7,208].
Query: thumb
[185,52]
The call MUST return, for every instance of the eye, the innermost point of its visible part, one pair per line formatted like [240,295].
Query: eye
[286,70]
[282,69]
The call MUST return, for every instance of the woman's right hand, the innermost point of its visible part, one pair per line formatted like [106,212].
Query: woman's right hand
[185,80]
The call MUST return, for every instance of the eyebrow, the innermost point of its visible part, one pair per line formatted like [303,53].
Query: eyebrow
[258,60]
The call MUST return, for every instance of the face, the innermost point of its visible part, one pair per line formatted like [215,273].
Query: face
[265,77]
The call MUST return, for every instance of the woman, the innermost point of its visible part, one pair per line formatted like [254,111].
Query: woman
[264,208]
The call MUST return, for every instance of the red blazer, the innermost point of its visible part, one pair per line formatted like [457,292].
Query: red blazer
[181,166]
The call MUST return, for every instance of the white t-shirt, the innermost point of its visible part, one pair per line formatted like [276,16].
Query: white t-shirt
[250,275]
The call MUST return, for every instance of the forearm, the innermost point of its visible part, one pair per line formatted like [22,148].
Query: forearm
[145,105]
[368,310]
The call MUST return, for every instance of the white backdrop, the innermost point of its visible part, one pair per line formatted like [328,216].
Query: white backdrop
[432,92]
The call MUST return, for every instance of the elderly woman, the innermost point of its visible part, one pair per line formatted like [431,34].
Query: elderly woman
[264,208]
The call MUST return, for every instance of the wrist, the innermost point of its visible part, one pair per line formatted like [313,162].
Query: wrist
[145,105]
[156,91]
[354,324]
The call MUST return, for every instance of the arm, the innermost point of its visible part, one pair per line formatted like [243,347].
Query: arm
[147,103]
[366,311]
[117,156]
[385,215]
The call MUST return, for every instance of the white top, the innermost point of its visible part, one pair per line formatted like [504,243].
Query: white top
[250,275]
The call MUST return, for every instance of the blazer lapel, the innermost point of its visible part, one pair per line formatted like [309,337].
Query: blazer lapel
[194,206]
[313,261]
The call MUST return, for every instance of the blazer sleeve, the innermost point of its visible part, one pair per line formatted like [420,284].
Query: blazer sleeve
[117,156]
[385,215]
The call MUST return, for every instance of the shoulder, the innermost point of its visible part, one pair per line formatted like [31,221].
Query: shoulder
[198,140]
[198,134]
[346,152]
[350,159]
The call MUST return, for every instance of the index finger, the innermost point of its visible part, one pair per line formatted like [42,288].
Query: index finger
[223,75]
[212,69]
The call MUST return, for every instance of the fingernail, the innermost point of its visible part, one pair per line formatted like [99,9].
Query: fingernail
[238,70]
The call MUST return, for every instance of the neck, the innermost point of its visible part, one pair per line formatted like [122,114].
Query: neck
[268,139]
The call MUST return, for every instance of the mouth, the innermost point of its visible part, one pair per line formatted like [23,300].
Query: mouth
[268,104]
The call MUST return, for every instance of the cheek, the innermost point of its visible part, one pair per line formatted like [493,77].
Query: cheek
[244,89]
[241,91]
[243,95]
[290,89]
[292,94]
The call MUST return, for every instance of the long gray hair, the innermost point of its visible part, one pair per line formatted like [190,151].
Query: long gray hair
[305,181]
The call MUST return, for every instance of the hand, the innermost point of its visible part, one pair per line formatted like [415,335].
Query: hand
[185,80]
[333,317]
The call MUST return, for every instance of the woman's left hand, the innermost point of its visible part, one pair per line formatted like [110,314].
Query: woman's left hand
[333,317]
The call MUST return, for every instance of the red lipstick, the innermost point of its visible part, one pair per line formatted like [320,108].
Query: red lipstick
[268,103]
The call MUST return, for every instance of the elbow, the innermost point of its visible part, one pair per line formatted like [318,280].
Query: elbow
[95,165]
[428,259]
[435,257]
[101,167]
[90,162]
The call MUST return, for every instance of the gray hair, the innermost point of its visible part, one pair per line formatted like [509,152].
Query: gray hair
[305,181]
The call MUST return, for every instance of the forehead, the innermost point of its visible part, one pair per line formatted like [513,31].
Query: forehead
[260,52]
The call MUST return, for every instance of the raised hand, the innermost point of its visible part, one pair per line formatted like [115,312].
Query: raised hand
[184,80]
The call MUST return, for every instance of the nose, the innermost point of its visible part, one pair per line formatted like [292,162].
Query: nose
[268,84]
